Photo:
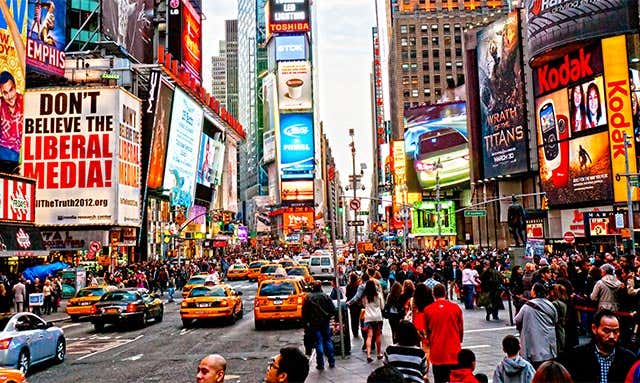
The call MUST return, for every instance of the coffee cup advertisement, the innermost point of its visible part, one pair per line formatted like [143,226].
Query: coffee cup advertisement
[294,85]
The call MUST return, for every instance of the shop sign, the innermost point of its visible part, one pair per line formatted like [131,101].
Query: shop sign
[17,200]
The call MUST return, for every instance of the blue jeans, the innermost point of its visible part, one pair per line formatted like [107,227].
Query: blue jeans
[172,291]
[324,344]
[468,296]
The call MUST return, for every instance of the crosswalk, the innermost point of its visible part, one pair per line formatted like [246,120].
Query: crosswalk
[94,344]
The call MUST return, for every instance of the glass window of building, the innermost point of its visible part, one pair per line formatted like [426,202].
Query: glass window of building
[414,66]
[427,92]
[424,28]
[406,93]
[405,55]
[412,41]
[446,28]
[447,52]
[458,64]
[414,80]
[448,65]
[457,39]
[435,40]
[403,29]
[435,53]
[404,42]
[425,41]
[436,66]
[459,52]
[412,29]
[456,27]
[425,78]
[406,105]
[405,80]
[438,92]
[415,103]
[434,27]
[436,79]
[414,93]
[425,54]
[413,54]
[405,67]
[460,79]
[425,66]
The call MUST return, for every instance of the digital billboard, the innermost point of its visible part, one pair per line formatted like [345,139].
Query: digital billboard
[46,36]
[185,36]
[288,16]
[296,141]
[82,145]
[291,47]
[158,153]
[294,192]
[129,23]
[296,221]
[204,174]
[230,189]
[502,104]
[182,155]
[294,86]
[425,218]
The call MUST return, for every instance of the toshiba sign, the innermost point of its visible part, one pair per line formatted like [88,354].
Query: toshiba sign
[288,16]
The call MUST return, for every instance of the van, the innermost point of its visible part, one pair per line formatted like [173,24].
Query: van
[321,265]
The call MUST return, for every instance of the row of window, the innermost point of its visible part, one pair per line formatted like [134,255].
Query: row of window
[426,67]
[434,27]
[426,79]
[435,53]
[435,41]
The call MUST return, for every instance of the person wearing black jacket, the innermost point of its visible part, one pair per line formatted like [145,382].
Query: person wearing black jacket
[604,355]
[317,311]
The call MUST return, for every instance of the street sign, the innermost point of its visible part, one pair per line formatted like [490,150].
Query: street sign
[363,213]
[354,204]
[569,237]
[355,223]
[475,213]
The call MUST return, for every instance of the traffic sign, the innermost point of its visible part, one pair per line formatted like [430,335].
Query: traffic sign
[475,213]
[355,223]
[354,204]
[569,237]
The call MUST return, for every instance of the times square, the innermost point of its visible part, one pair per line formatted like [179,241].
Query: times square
[319,191]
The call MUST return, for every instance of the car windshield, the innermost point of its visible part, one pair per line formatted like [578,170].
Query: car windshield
[216,291]
[119,296]
[255,265]
[269,269]
[295,272]
[196,281]
[277,289]
[89,293]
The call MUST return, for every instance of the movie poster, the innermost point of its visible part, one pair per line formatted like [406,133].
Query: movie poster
[46,38]
[160,136]
[129,23]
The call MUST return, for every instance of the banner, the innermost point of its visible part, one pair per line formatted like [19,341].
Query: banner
[129,23]
[294,85]
[82,145]
[13,37]
[399,171]
[17,200]
[287,16]
[182,155]
[293,192]
[502,104]
[204,174]
[162,113]
[296,140]
[46,38]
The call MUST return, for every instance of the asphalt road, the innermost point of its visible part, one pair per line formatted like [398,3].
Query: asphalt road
[165,352]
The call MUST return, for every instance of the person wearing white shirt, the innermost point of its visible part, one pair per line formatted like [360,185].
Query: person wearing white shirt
[470,279]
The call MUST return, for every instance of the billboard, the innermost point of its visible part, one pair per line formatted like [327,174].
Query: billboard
[294,221]
[502,104]
[17,200]
[399,171]
[205,171]
[13,35]
[182,155]
[294,85]
[230,189]
[294,192]
[288,16]
[296,140]
[185,36]
[552,24]
[158,155]
[129,23]
[82,145]
[291,47]
[425,218]
[46,36]
[270,116]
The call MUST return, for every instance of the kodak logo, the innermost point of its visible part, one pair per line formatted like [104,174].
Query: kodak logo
[570,70]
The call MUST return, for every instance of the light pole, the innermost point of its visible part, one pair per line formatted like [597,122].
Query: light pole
[404,214]
[354,186]
[627,143]
[438,166]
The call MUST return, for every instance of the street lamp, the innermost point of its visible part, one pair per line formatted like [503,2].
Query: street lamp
[404,215]
[438,166]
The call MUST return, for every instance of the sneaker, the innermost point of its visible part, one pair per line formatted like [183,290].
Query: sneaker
[320,368]
[369,359]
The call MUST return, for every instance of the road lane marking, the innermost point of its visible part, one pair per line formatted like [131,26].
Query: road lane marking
[490,329]
[70,325]
[133,358]
[185,331]
[111,347]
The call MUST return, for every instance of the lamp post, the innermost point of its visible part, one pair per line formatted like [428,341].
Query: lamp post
[438,166]
[404,215]
[354,186]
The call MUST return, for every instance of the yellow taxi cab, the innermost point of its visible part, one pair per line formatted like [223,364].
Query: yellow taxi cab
[286,262]
[212,302]
[254,269]
[237,271]
[300,271]
[278,299]
[195,280]
[270,271]
[9,375]
[81,303]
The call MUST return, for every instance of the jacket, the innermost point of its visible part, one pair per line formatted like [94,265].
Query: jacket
[583,365]
[317,310]
[462,375]
[445,331]
[514,370]
[604,292]
[537,321]
[19,291]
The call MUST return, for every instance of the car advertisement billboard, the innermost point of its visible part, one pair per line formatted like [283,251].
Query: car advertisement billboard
[182,155]
[551,24]
[82,145]
[294,86]
[158,155]
[296,192]
[399,171]
[129,23]
[296,140]
[291,48]
[17,200]
[288,16]
[46,36]
[185,36]
[502,104]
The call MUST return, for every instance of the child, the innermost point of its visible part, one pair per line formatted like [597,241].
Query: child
[513,368]
[463,373]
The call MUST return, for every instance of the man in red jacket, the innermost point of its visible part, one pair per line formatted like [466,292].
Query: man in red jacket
[445,330]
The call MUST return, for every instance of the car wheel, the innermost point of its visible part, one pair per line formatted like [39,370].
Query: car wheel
[61,350]
[186,323]
[24,361]
[259,325]
[74,318]
[98,326]
[241,313]
[160,315]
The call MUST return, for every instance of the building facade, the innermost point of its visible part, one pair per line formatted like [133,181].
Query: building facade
[231,54]
[219,75]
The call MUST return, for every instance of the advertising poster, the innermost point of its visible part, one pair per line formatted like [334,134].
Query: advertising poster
[294,85]
[129,23]
[425,218]
[205,161]
[191,37]
[502,105]
[230,190]
[17,200]
[573,220]
[291,47]
[288,16]
[429,118]
[294,221]
[158,153]
[182,154]
[218,162]
[13,35]
[534,247]
[399,171]
[296,191]
[296,146]
[46,36]
[82,147]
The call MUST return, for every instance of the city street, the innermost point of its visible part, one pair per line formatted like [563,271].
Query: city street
[163,352]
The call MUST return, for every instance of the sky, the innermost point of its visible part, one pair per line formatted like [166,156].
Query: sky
[345,57]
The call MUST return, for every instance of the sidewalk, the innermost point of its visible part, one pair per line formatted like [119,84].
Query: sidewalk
[59,316]
[482,337]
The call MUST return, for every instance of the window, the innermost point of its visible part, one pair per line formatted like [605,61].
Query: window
[425,40]
[457,39]
[424,27]
[447,52]
[413,54]
[438,93]
[425,79]
[412,29]
[436,79]
[415,103]
[412,41]
[435,53]
[425,66]
[447,28]
[459,52]
[405,67]
[414,66]
[460,79]
[448,65]
[435,40]
[404,42]
[456,27]
[434,27]
[458,64]
[436,66]
[427,92]
[406,105]
[449,77]
[406,93]
[425,54]
[405,80]
[325,262]
[405,55]
[414,80]
[403,29]
[414,93]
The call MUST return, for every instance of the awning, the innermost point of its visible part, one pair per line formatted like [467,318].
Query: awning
[21,241]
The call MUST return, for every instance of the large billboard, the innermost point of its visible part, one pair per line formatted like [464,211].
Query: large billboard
[296,141]
[502,104]
[291,47]
[296,192]
[46,36]
[288,16]
[294,86]
[82,145]
[185,36]
[230,189]
[296,221]
[17,200]
[13,25]
[552,24]
[129,23]
[425,218]
[270,116]
[182,155]
[158,155]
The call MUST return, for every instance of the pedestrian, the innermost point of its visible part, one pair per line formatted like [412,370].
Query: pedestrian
[373,303]
[558,297]
[317,311]
[552,372]
[604,291]
[386,374]
[19,294]
[602,360]
[5,299]
[394,309]
[445,331]
[463,373]
[355,307]
[453,275]
[422,298]
[513,368]
[406,354]
[516,287]
[470,280]
[536,322]
[490,282]
[211,369]
[290,366]
[171,283]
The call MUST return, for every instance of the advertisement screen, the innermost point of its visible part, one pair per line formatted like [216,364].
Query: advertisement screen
[230,190]
[182,154]
[296,146]
[205,161]
[288,16]
[83,148]
[158,153]
[502,105]
[191,37]
[294,85]
[291,48]
[129,23]
[298,221]
[17,200]
[13,34]
[46,36]
[296,191]
[425,218]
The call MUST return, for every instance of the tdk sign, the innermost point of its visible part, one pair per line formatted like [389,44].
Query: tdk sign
[292,47]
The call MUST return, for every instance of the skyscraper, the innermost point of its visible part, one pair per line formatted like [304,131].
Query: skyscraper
[231,53]
[219,75]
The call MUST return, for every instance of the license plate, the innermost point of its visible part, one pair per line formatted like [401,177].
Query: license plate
[325,270]
[277,302]
[112,311]
[203,305]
